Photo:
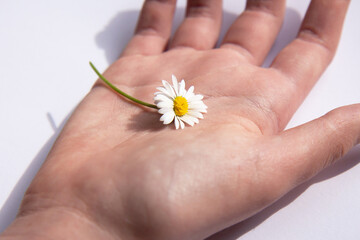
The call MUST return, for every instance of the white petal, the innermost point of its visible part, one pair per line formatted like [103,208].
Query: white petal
[162,97]
[197,106]
[175,84]
[182,90]
[197,97]
[203,110]
[188,120]
[196,114]
[196,102]
[176,120]
[165,110]
[169,89]
[194,119]
[164,91]
[189,92]
[182,125]
[164,104]
[167,101]
[167,117]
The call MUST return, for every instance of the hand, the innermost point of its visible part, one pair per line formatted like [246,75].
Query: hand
[116,172]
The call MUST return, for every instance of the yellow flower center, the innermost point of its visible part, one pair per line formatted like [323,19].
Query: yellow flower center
[180,106]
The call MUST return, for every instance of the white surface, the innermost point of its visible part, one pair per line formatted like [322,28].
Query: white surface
[45,47]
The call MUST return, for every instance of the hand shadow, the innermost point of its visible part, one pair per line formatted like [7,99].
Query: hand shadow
[117,33]
[10,208]
[236,231]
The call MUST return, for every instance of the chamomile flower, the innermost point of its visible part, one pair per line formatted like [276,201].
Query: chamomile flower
[177,104]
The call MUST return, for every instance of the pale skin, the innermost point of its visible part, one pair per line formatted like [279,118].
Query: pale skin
[116,172]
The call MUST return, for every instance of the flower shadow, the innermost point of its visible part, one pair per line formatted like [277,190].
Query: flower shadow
[145,121]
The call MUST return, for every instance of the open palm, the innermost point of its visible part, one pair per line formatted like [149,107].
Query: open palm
[117,173]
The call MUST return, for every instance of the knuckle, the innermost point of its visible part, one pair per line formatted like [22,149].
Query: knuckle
[335,124]
[202,8]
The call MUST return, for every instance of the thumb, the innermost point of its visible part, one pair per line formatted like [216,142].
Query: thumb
[319,143]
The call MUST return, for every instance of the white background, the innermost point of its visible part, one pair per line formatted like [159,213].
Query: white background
[45,47]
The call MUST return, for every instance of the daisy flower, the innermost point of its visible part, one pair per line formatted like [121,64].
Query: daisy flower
[177,104]
[173,102]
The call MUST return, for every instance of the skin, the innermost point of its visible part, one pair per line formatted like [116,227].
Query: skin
[116,172]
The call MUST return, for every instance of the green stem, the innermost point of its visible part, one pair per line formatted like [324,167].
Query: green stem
[121,92]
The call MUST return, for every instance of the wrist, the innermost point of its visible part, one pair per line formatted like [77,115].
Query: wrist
[55,223]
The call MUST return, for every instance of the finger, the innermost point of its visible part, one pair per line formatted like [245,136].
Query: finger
[255,30]
[307,149]
[153,29]
[305,59]
[201,26]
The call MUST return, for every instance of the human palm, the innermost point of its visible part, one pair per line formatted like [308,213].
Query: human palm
[115,169]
